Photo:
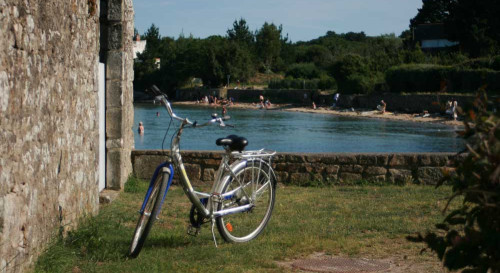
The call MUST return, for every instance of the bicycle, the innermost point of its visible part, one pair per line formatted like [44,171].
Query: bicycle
[241,199]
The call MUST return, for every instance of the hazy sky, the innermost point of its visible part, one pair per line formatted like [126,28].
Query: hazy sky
[303,20]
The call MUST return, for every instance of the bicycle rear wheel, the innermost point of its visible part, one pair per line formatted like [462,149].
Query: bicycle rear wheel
[252,184]
[148,216]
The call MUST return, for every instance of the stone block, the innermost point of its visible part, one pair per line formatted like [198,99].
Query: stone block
[114,93]
[382,160]
[113,169]
[397,160]
[347,159]
[114,65]
[314,158]
[371,170]
[424,160]
[411,160]
[294,158]
[376,178]
[115,36]
[368,160]
[439,160]
[145,165]
[429,175]
[113,123]
[399,176]
[317,177]
[115,10]
[193,171]
[331,169]
[350,177]
[114,143]
[351,168]
[208,174]
[299,178]
[282,177]
[331,178]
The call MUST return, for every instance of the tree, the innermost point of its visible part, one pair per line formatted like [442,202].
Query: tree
[240,33]
[153,38]
[469,237]
[475,24]
[268,43]
[432,11]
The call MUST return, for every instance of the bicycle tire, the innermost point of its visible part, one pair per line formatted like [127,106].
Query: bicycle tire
[145,222]
[245,226]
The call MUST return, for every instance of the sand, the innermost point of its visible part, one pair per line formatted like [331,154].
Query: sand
[360,113]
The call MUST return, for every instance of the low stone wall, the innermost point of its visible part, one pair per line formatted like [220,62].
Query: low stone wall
[300,168]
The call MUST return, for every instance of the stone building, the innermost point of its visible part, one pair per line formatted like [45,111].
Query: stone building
[66,70]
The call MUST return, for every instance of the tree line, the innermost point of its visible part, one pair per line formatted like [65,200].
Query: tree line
[350,62]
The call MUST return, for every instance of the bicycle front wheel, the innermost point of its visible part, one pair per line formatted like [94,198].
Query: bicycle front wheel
[251,184]
[149,215]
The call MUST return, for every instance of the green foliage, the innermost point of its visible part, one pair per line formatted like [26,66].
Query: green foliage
[353,75]
[132,185]
[324,83]
[432,11]
[303,71]
[433,78]
[469,236]
[268,45]
[475,25]
[241,34]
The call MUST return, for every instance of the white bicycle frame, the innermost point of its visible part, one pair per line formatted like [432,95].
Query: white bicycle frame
[224,172]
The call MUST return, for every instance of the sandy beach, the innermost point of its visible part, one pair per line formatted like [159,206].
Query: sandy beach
[360,113]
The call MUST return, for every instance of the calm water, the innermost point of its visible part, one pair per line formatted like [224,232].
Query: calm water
[296,132]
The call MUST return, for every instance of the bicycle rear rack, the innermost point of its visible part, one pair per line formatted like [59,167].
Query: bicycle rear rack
[261,154]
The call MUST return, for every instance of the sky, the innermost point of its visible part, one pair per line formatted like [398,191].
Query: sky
[302,20]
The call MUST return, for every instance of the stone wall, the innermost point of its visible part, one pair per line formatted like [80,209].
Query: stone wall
[299,168]
[399,103]
[117,29]
[49,55]
[49,119]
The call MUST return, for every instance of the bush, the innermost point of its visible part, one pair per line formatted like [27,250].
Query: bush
[303,71]
[353,75]
[433,78]
[325,83]
[469,236]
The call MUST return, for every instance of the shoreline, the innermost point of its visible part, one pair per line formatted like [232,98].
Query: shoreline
[360,113]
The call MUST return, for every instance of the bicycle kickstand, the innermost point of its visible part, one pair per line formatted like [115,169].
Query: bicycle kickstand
[213,233]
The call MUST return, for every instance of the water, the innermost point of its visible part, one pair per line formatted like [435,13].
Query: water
[296,132]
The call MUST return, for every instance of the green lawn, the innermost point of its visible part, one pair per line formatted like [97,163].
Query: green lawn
[355,221]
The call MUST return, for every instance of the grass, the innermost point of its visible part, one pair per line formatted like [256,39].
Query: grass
[356,221]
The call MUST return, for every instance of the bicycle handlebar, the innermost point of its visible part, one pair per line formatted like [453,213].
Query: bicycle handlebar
[166,103]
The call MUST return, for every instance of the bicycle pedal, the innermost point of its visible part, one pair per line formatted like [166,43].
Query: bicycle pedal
[193,231]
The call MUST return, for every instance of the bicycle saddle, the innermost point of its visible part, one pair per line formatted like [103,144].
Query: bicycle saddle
[234,142]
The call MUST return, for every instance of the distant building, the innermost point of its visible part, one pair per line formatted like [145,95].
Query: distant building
[432,37]
[157,63]
[138,46]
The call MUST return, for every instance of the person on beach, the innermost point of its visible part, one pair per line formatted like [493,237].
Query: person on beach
[224,110]
[314,106]
[268,103]
[454,109]
[335,100]
[141,128]
[382,106]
